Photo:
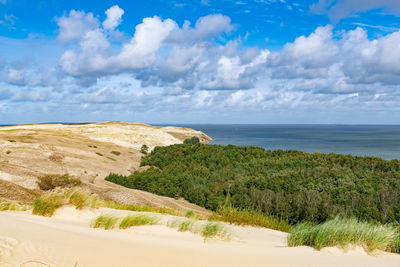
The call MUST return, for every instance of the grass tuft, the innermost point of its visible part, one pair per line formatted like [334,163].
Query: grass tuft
[13,206]
[189,214]
[105,221]
[215,230]
[137,220]
[116,153]
[46,204]
[344,232]
[249,217]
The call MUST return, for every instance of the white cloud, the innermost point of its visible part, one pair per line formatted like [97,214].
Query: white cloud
[114,15]
[75,25]
[340,9]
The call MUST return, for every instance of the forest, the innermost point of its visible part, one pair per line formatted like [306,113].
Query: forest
[291,185]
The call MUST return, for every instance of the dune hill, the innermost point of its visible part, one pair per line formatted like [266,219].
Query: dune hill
[87,151]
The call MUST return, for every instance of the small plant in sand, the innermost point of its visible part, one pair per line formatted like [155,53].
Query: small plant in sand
[215,230]
[51,181]
[105,221]
[98,153]
[46,204]
[189,214]
[144,149]
[137,220]
[79,199]
[116,153]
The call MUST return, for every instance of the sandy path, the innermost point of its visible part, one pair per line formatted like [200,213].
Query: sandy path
[67,239]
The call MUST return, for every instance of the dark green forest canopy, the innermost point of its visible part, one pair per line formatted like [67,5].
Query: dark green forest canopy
[293,185]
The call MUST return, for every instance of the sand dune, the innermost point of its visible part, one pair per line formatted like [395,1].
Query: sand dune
[67,240]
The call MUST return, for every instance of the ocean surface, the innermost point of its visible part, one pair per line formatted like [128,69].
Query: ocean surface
[364,140]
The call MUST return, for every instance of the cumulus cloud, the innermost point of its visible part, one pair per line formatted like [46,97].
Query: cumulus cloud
[74,25]
[163,54]
[340,9]
[114,15]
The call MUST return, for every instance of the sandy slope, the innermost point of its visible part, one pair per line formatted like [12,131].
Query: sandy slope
[89,152]
[66,240]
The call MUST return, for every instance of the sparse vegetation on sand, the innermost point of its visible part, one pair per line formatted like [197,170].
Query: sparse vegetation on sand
[51,181]
[105,221]
[116,153]
[207,229]
[137,220]
[344,232]
[215,230]
[13,206]
[47,203]
[250,217]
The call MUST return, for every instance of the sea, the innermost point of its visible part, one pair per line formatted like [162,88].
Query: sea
[363,140]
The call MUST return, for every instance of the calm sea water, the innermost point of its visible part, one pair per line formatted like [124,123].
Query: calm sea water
[372,140]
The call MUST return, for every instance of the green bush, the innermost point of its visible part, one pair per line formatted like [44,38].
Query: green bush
[214,230]
[51,181]
[192,141]
[144,149]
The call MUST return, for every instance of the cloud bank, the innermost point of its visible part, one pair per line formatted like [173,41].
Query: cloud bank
[204,67]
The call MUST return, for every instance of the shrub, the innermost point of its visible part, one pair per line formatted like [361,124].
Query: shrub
[192,141]
[137,220]
[46,204]
[116,153]
[105,221]
[51,181]
[98,153]
[144,149]
[344,232]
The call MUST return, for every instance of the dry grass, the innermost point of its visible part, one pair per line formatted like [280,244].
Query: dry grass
[47,203]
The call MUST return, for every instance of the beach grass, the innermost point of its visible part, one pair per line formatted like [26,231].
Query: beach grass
[250,217]
[137,220]
[13,206]
[344,232]
[47,203]
[215,230]
[105,221]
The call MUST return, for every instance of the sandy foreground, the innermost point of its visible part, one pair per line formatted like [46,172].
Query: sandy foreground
[67,239]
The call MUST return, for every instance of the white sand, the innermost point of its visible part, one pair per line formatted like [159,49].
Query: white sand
[66,240]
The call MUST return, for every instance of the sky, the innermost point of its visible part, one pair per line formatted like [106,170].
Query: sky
[200,61]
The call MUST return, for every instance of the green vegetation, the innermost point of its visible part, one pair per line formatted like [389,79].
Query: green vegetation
[12,141]
[105,221]
[51,181]
[291,185]
[98,153]
[192,141]
[137,220]
[189,214]
[13,206]
[215,230]
[144,149]
[343,232]
[116,153]
[46,204]
[79,199]
[250,217]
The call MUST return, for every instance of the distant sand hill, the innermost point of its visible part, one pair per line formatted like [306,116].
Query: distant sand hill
[89,152]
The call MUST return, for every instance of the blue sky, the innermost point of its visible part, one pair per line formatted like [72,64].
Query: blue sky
[200,61]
